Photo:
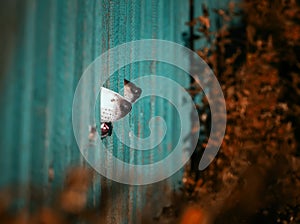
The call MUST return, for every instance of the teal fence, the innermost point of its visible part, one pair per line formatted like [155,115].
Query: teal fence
[53,44]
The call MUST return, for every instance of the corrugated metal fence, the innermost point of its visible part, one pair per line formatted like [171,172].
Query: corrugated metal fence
[55,42]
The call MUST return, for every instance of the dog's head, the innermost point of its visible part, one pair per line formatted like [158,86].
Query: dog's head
[113,106]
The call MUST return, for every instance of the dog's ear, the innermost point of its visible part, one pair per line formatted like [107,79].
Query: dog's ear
[131,91]
[113,106]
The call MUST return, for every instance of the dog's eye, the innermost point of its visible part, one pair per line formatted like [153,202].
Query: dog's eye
[131,91]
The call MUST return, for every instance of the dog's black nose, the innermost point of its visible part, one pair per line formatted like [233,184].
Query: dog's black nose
[125,107]
[106,129]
